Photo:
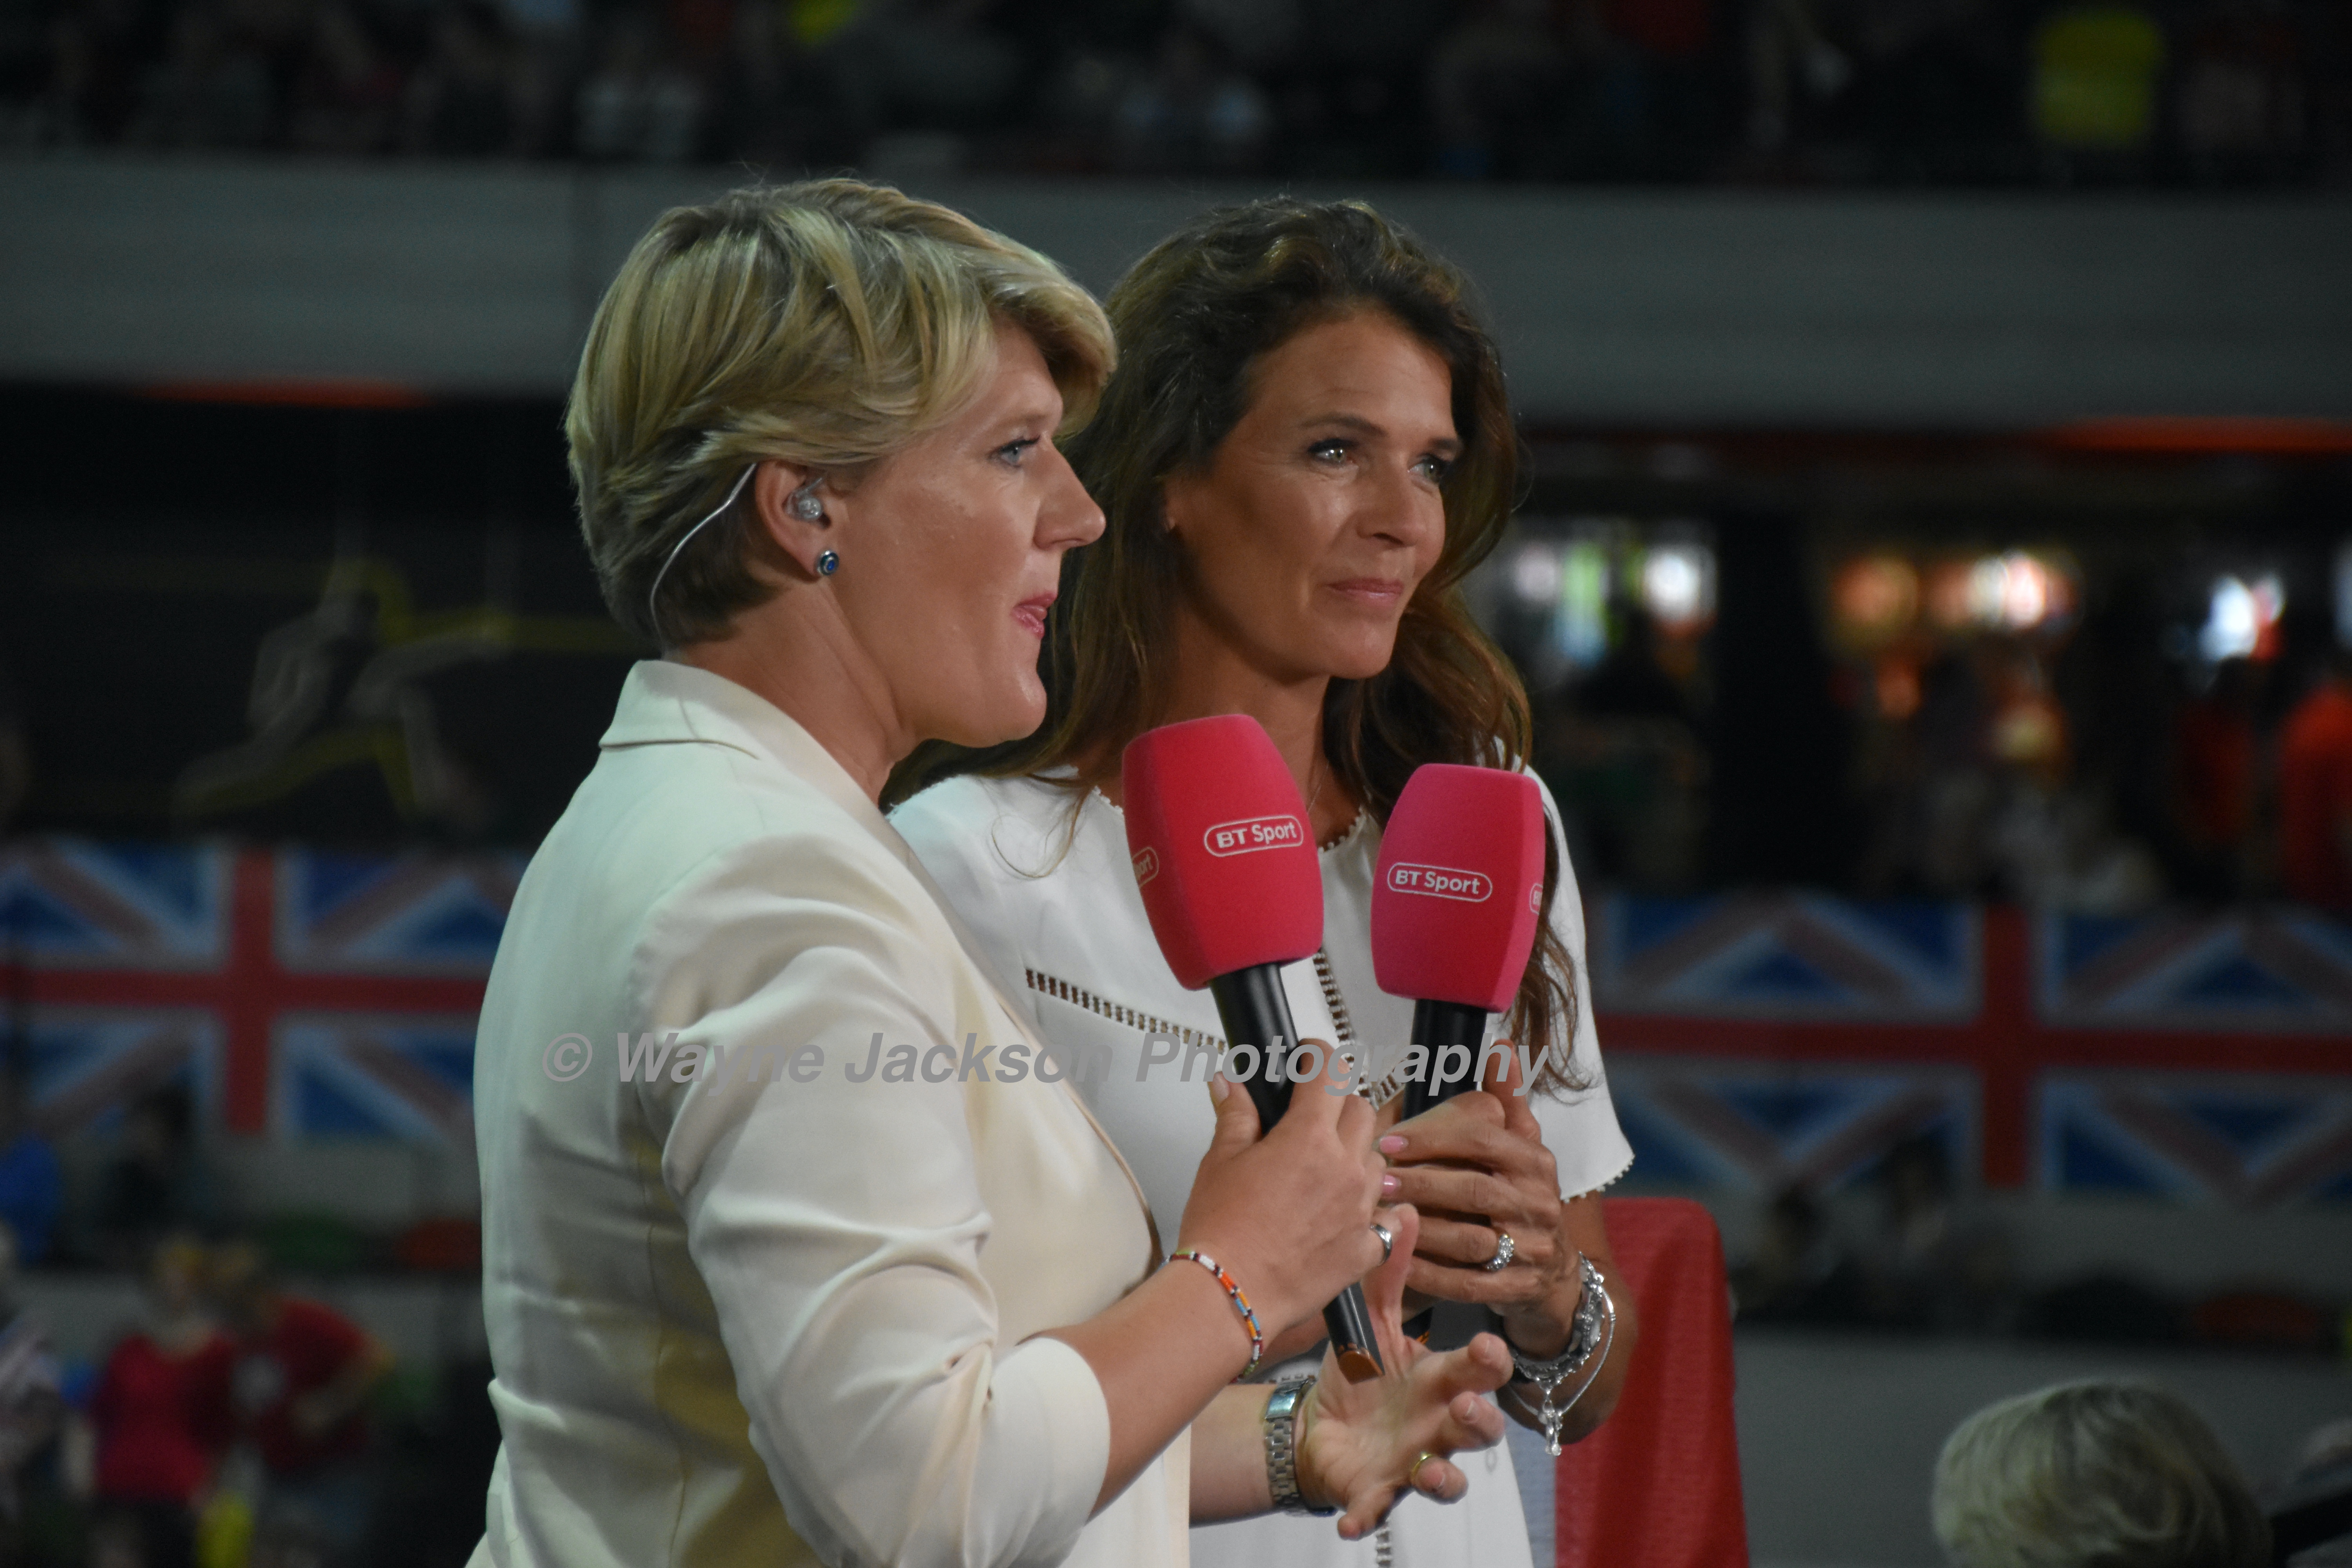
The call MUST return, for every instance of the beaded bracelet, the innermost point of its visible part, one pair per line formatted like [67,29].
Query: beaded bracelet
[1240,1303]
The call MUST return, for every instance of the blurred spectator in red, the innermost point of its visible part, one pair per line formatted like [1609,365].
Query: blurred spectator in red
[302,1379]
[161,1418]
[2216,752]
[30,1192]
[1193,113]
[348,93]
[2241,99]
[2315,791]
[159,1185]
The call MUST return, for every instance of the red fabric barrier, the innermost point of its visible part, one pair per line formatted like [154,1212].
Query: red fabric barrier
[1658,1486]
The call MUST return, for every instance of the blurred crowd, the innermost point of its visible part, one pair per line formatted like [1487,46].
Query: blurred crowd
[1969,91]
[231,1423]
[2013,776]
[1908,1250]
[2093,761]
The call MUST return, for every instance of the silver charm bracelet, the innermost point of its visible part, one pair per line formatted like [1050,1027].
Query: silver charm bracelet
[1589,1335]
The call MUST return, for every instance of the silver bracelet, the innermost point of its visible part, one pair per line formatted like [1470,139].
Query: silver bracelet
[1589,1335]
[1282,1413]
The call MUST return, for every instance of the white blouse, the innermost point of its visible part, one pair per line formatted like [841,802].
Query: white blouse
[1053,902]
[745,1307]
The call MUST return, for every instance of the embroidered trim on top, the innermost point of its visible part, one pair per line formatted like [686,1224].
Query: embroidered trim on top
[1078,996]
[1375,1094]
[1060,990]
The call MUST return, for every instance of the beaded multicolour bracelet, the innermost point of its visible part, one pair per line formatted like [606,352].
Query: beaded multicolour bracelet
[1240,1303]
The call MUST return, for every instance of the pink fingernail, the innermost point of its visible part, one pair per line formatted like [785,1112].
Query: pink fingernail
[1389,1184]
[1392,1144]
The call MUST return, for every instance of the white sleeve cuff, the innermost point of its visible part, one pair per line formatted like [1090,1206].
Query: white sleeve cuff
[1050,1431]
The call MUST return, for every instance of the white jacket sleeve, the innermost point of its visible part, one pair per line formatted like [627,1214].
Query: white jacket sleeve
[837,1225]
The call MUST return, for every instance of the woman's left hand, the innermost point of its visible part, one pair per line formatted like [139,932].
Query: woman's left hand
[1475,1167]
[1362,1446]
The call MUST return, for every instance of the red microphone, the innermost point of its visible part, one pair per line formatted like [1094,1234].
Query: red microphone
[1226,863]
[1454,907]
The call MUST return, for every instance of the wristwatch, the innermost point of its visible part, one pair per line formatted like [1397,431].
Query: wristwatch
[1282,1413]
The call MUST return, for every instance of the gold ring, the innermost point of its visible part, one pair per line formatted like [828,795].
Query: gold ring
[1412,1476]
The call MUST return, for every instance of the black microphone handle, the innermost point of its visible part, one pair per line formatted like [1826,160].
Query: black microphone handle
[1434,1024]
[1437,1025]
[1254,1012]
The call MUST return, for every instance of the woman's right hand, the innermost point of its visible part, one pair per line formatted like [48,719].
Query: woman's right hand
[1290,1215]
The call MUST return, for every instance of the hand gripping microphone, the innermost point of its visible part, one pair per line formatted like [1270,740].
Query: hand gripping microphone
[1225,861]
[1454,907]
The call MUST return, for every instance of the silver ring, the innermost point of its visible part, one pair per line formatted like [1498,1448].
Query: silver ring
[1388,1240]
[1505,1250]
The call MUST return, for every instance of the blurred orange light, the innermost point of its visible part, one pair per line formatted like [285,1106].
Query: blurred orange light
[1875,598]
[2017,591]
[2029,731]
[1898,687]
[1949,595]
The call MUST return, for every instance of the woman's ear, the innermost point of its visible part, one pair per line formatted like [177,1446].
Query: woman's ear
[790,502]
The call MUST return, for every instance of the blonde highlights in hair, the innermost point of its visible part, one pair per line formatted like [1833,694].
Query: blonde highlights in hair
[826,324]
[2093,1475]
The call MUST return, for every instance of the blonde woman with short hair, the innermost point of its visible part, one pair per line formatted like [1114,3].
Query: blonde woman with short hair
[759,1288]
[2093,1475]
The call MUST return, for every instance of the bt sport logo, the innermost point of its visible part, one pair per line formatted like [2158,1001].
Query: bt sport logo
[1253,833]
[1442,882]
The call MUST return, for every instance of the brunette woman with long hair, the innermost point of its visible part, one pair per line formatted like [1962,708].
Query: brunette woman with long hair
[1305,447]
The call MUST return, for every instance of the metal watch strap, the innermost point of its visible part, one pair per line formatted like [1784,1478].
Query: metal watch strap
[1282,1411]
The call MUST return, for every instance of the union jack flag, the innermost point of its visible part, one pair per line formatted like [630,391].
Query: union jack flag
[376,1077]
[311,995]
[1788,956]
[2239,1141]
[1762,1127]
[2270,969]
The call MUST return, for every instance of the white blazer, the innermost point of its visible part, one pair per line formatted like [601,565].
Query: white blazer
[739,1318]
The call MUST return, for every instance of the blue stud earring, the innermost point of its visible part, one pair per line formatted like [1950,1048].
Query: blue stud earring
[827,564]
